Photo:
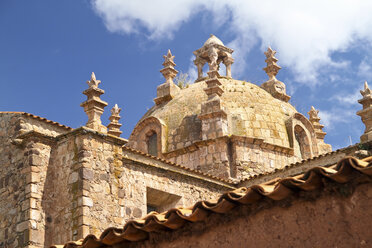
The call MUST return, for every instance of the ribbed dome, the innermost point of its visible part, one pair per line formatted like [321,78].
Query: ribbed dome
[252,112]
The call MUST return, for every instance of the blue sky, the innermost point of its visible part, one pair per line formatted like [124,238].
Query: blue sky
[48,50]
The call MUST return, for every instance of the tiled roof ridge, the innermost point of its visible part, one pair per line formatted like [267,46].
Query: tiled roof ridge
[278,189]
[38,118]
[304,161]
[179,166]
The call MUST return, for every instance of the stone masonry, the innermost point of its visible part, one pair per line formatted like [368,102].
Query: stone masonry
[60,184]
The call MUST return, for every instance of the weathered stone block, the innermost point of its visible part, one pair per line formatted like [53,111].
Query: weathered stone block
[36,236]
[22,226]
[86,173]
[35,160]
[73,178]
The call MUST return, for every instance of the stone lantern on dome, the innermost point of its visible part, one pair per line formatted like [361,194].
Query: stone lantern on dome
[213,52]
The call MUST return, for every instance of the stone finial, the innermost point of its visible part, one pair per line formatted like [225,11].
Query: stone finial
[313,113]
[167,90]
[168,71]
[213,52]
[93,82]
[94,106]
[366,90]
[169,59]
[366,112]
[272,68]
[114,125]
[314,119]
[275,87]
[318,129]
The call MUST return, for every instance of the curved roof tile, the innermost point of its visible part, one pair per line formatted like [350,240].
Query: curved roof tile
[278,189]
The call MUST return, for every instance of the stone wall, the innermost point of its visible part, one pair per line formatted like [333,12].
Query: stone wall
[12,185]
[234,157]
[23,165]
[59,184]
[124,185]
[360,150]
[211,157]
[252,157]
[340,217]
[61,195]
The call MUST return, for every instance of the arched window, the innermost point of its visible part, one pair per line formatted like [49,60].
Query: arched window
[303,142]
[152,144]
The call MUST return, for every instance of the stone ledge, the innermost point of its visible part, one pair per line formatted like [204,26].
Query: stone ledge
[197,144]
[85,130]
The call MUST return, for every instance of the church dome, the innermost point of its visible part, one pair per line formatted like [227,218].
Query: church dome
[223,126]
[251,112]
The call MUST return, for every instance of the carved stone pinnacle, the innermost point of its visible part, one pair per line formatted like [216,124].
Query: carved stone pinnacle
[272,68]
[366,91]
[115,110]
[93,82]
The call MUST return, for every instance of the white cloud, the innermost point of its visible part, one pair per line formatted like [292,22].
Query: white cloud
[330,118]
[305,33]
[347,99]
[365,69]
[192,72]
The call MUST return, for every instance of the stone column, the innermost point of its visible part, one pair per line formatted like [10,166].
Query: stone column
[167,90]
[94,106]
[228,61]
[114,125]
[33,222]
[366,113]
[199,64]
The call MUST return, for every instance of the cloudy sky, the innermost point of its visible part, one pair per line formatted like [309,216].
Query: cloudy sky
[48,50]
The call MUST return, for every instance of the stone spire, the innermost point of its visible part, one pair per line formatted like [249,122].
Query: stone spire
[94,106]
[272,68]
[213,52]
[366,112]
[168,71]
[318,129]
[275,87]
[114,125]
[314,119]
[167,90]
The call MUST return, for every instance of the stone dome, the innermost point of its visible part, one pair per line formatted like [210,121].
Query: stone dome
[213,40]
[251,112]
[226,127]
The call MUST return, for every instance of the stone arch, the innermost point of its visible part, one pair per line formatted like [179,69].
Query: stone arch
[301,132]
[144,130]
[303,142]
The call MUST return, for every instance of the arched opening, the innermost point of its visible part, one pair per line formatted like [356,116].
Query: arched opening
[303,142]
[152,144]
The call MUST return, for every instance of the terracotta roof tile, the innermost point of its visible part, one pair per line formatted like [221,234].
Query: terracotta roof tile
[278,189]
[38,118]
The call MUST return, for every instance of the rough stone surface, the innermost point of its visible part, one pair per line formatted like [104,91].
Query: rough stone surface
[57,186]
